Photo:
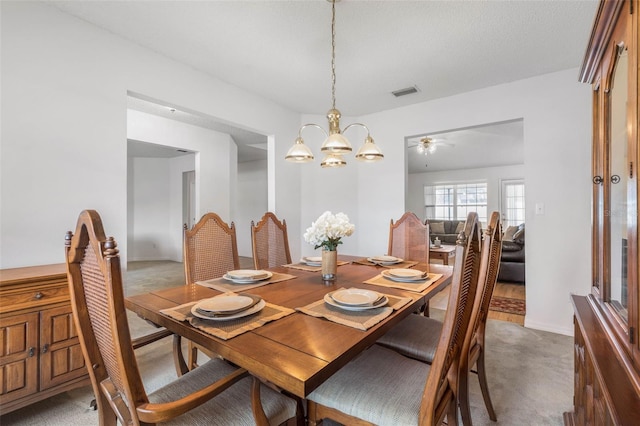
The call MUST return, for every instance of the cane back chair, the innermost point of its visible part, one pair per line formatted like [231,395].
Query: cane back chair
[416,336]
[409,238]
[218,393]
[384,387]
[270,242]
[210,250]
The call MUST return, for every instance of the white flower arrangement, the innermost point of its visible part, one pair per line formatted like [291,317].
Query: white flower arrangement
[328,230]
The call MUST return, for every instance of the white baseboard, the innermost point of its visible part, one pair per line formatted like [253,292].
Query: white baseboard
[552,328]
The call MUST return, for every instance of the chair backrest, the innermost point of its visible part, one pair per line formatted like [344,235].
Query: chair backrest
[210,249]
[409,238]
[440,389]
[492,244]
[97,299]
[270,242]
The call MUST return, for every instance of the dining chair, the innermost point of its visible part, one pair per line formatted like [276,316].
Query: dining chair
[210,251]
[217,393]
[270,242]
[383,387]
[409,238]
[417,336]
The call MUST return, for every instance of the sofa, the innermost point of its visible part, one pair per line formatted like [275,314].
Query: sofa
[446,230]
[512,259]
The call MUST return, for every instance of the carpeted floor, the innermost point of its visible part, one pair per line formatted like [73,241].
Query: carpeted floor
[530,372]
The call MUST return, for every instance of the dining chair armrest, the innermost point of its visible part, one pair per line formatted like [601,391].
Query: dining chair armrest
[150,338]
[160,412]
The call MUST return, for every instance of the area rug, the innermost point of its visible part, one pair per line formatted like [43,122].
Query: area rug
[507,305]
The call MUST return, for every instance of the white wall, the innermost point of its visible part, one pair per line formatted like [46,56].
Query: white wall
[492,175]
[64,127]
[252,201]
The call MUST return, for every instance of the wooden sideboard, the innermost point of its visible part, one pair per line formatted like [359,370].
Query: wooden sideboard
[40,355]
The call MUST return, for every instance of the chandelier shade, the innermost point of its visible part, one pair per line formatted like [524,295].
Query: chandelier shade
[335,144]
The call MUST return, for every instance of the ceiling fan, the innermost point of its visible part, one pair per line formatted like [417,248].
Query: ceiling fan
[427,145]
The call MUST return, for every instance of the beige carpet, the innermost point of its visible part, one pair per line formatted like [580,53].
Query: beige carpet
[530,372]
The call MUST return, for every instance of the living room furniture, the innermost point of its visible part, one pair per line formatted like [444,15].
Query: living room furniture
[442,253]
[409,238]
[40,355]
[298,352]
[214,393]
[607,343]
[269,242]
[446,230]
[512,265]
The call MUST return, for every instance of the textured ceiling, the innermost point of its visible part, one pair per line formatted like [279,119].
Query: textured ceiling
[281,49]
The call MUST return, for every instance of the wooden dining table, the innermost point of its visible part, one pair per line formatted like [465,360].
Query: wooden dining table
[299,352]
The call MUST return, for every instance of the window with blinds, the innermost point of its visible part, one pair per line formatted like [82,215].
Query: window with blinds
[455,201]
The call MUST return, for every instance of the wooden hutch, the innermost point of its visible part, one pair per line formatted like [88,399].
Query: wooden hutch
[40,354]
[607,343]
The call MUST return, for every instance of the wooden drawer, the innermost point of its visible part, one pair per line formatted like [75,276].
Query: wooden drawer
[34,297]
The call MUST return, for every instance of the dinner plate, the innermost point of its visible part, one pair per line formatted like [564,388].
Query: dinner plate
[224,304]
[355,296]
[257,308]
[384,260]
[407,273]
[380,303]
[312,260]
[247,276]
[416,279]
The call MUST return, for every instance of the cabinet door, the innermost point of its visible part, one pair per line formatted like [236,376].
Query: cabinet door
[18,356]
[61,356]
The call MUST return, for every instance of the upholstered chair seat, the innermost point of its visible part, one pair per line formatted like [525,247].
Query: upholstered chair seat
[387,386]
[231,407]
[415,336]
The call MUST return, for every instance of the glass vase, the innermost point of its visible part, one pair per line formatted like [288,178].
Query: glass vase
[329,265]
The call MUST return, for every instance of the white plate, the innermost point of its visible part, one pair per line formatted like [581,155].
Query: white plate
[224,303]
[253,310]
[312,260]
[406,273]
[247,276]
[387,274]
[355,296]
[384,260]
[328,299]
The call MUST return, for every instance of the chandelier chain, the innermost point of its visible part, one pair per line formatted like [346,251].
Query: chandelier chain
[333,54]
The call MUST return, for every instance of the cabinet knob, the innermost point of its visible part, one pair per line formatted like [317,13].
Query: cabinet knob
[597,180]
[38,296]
[32,352]
[45,348]
[615,179]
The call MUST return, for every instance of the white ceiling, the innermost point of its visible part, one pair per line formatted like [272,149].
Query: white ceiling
[281,49]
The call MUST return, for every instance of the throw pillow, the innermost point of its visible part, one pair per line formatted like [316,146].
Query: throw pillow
[436,227]
[518,237]
[508,234]
[460,227]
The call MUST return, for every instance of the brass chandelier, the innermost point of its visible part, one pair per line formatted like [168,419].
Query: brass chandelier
[335,145]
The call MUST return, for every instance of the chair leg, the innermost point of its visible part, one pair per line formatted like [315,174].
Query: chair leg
[463,398]
[192,356]
[452,415]
[178,357]
[482,377]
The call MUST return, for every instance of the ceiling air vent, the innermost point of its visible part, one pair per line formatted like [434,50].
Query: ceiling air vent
[405,91]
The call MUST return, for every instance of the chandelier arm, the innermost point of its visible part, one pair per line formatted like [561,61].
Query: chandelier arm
[357,124]
[312,125]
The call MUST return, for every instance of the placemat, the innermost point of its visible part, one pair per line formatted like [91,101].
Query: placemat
[227,329]
[403,264]
[362,320]
[309,268]
[419,288]
[225,286]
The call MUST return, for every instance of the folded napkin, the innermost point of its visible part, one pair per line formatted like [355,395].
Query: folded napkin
[230,328]
[305,267]
[418,287]
[224,285]
[403,264]
[362,320]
